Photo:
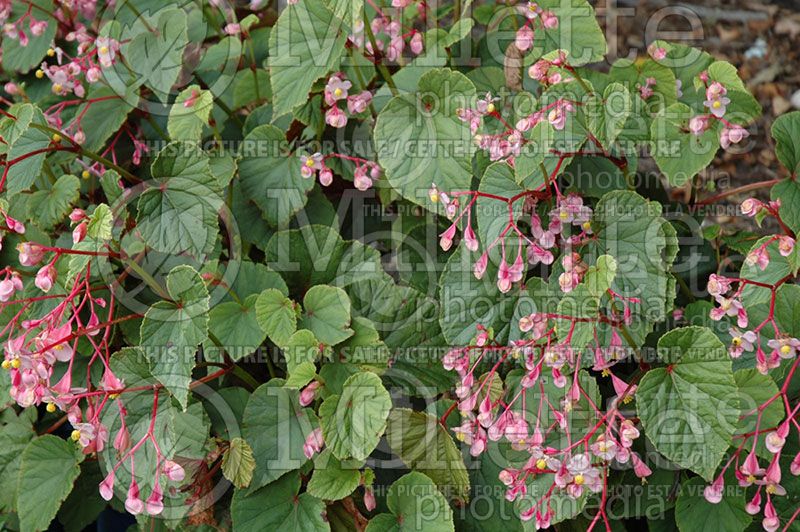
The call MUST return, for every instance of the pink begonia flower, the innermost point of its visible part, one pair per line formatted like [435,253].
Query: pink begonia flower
[732,135]
[30,254]
[359,103]
[9,286]
[173,471]
[785,347]
[771,521]
[549,19]
[753,507]
[657,52]
[416,43]
[713,492]
[369,498]
[480,265]
[741,342]
[46,278]
[470,240]
[107,486]
[524,38]
[79,233]
[777,439]
[698,124]
[785,245]
[133,503]
[313,443]
[716,101]
[751,206]
[334,117]
[309,393]
[336,89]
[155,504]
[325,177]
[718,285]
[640,469]
[758,257]
[15,225]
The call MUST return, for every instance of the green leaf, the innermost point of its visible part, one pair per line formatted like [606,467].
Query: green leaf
[172,330]
[178,211]
[238,463]
[301,375]
[302,347]
[156,57]
[306,43]
[84,504]
[693,513]
[27,148]
[276,315]
[786,132]
[23,58]
[578,33]
[49,207]
[15,434]
[598,278]
[425,446]
[415,504]
[276,427]
[270,176]
[689,409]
[316,254]
[607,117]
[327,314]
[236,327]
[186,120]
[631,230]
[679,153]
[48,469]
[333,479]
[278,506]
[420,140]
[788,192]
[354,421]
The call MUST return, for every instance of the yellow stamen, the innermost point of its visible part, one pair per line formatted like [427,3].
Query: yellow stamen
[309,162]
[50,52]
[16,363]
[737,341]
[104,50]
[460,436]
[57,87]
[337,92]
[785,349]
[579,480]
[56,138]
[563,215]
[85,174]
[51,407]
[490,108]
[39,74]
[771,489]
[76,435]
[716,105]
[6,364]
[541,463]
[586,226]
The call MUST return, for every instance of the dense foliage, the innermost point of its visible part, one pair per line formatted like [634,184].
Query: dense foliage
[388,266]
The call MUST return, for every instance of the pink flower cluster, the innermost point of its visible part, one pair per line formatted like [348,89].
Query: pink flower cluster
[16,31]
[533,13]
[364,175]
[337,89]
[389,37]
[487,416]
[717,102]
